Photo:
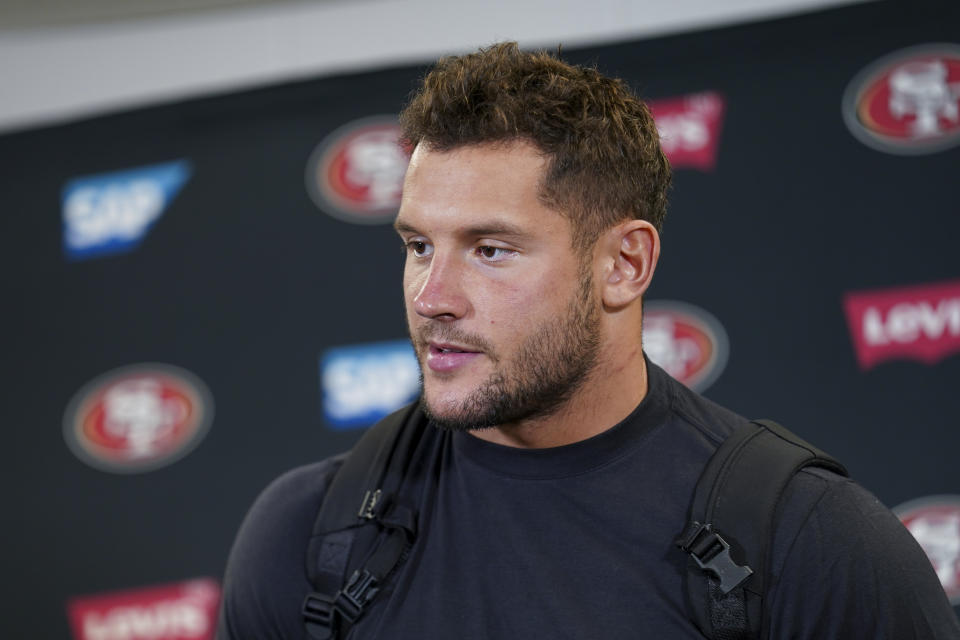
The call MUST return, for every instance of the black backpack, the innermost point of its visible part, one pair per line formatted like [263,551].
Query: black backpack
[366,525]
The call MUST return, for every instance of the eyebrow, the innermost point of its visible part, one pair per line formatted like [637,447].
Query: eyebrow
[402,227]
[495,228]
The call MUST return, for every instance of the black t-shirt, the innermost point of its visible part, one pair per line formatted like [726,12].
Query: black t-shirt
[577,542]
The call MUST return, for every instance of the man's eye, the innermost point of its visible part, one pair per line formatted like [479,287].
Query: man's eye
[418,248]
[493,253]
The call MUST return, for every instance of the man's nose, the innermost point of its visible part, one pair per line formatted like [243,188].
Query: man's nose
[441,296]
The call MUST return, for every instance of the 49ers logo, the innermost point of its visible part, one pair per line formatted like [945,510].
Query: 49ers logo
[935,523]
[138,418]
[356,173]
[689,343]
[907,102]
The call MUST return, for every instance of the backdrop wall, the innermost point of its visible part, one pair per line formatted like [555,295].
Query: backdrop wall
[237,253]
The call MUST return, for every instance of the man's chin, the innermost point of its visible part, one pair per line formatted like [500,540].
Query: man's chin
[451,416]
[447,397]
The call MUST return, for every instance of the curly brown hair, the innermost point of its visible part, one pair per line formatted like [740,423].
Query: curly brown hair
[605,164]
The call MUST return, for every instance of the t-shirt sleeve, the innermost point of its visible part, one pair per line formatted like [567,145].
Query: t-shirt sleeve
[845,567]
[265,580]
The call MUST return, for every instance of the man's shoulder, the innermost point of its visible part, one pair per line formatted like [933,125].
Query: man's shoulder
[844,566]
[710,420]
[287,507]
[297,490]
[838,513]
[270,549]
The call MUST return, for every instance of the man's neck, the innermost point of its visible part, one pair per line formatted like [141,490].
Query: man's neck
[610,393]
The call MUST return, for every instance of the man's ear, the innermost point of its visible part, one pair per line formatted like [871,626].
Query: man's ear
[628,255]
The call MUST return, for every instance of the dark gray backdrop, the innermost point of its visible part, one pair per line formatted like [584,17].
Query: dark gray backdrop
[245,282]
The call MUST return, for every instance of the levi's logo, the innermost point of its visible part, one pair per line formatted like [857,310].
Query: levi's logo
[689,128]
[184,611]
[919,323]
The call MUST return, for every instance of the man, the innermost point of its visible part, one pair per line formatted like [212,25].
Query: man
[559,463]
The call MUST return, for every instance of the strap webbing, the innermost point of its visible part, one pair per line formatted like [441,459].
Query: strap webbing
[732,521]
[363,530]
[728,613]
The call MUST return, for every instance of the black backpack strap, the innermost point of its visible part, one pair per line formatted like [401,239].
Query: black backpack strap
[732,522]
[364,528]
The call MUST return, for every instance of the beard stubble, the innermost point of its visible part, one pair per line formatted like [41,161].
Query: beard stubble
[550,365]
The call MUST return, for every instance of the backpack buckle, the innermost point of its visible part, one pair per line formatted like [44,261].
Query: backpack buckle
[318,612]
[356,595]
[323,615]
[712,553]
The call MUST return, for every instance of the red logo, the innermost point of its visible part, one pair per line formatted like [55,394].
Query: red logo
[356,173]
[920,323]
[690,129]
[689,343]
[907,102]
[935,523]
[138,418]
[184,611]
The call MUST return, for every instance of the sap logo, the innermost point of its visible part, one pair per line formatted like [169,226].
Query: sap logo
[920,323]
[111,213]
[362,383]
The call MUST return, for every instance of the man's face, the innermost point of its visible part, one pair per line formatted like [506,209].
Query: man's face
[501,309]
